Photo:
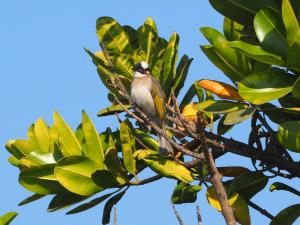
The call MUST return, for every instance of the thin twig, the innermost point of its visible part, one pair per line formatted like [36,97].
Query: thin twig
[115,216]
[261,210]
[146,181]
[177,215]
[199,216]
[215,177]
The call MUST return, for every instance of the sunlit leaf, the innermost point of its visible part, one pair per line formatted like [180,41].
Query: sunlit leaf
[95,149]
[69,143]
[290,21]
[75,172]
[262,87]
[220,106]
[269,29]
[7,218]
[238,116]
[111,110]
[289,135]
[40,180]
[41,131]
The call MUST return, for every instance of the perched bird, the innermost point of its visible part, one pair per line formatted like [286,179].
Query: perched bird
[146,92]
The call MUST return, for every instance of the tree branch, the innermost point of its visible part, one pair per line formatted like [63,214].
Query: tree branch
[199,216]
[215,177]
[177,215]
[261,210]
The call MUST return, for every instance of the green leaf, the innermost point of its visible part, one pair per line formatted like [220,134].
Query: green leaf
[41,131]
[257,53]
[294,54]
[13,149]
[199,91]
[232,29]
[223,128]
[31,199]
[123,65]
[269,29]
[242,11]
[280,115]
[281,186]
[169,64]
[105,179]
[94,150]
[289,135]
[262,87]
[296,89]
[109,205]
[111,110]
[90,204]
[228,60]
[64,200]
[185,193]
[290,21]
[112,35]
[212,35]
[7,218]
[221,106]
[238,116]
[147,139]
[248,184]
[189,95]
[40,180]
[287,216]
[236,201]
[127,141]
[114,165]
[181,74]
[67,139]
[149,38]
[41,157]
[75,172]
[168,168]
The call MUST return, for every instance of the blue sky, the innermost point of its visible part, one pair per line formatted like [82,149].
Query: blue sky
[43,68]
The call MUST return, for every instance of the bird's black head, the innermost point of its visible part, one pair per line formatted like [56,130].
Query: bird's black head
[142,67]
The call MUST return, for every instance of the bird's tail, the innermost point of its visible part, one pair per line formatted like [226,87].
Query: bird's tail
[165,148]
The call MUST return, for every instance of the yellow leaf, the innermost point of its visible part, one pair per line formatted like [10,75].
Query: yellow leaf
[222,90]
[238,204]
[190,112]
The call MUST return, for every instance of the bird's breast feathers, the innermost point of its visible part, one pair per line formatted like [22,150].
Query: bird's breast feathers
[141,95]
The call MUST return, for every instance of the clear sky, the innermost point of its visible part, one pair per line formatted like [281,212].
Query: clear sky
[43,68]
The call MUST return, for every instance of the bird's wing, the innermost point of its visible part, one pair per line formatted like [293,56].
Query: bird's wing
[158,97]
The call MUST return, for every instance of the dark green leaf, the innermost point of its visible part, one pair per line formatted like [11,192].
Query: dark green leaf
[64,200]
[232,29]
[242,11]
[296,89]
[181,74]
[109,205]
[31,199]
[281,186]
[90,204]
[185,193]
[248,184]
[287,216]
[105,179]
[189,95]
[294,54]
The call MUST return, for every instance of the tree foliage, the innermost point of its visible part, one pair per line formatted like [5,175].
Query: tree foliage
[258,51]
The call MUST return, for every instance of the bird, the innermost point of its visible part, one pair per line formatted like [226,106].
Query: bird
[147,93]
